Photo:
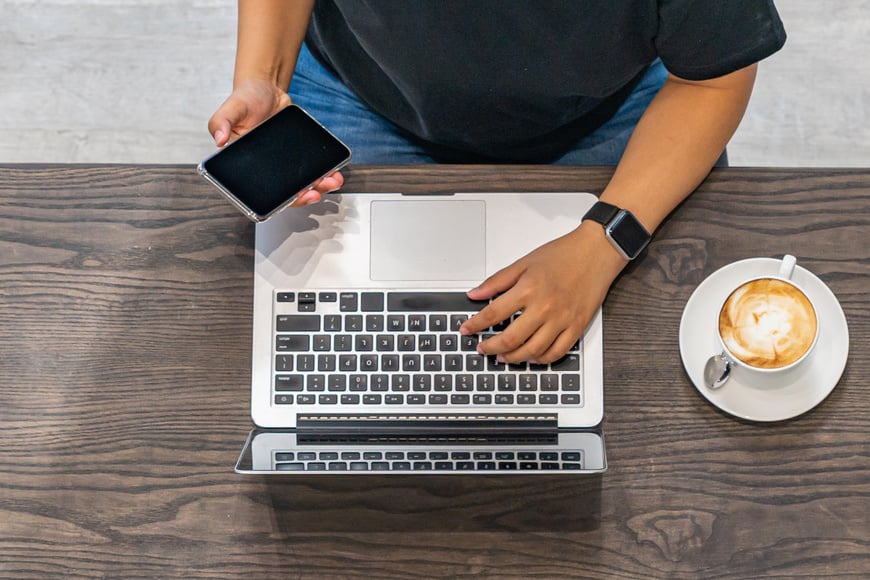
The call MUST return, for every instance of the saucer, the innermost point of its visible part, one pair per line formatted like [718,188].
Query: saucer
[746,394]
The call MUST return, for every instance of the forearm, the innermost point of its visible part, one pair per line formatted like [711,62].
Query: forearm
[270,34]
[676,143]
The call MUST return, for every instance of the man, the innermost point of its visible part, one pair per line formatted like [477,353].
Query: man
[655,87]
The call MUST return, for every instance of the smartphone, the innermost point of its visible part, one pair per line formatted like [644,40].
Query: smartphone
[266,169]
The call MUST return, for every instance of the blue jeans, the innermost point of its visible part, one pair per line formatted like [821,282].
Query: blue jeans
[375,140]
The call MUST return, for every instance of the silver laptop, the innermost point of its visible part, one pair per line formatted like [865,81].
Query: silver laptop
[358,365]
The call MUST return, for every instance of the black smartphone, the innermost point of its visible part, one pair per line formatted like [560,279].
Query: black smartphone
[264,170]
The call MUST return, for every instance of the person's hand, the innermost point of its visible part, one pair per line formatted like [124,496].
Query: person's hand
[557,288]
[252,102]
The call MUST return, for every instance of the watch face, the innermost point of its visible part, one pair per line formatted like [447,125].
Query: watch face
[628,234]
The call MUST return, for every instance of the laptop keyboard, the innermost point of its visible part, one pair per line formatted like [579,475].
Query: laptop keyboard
[365,349]
[465,460]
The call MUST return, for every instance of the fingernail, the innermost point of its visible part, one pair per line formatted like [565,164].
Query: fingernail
[464,331]
[218,135]
[500,359]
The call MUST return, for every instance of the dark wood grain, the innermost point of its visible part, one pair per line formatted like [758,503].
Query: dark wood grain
[125,304]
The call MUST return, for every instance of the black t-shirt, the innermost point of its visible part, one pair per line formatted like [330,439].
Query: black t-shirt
[510,80]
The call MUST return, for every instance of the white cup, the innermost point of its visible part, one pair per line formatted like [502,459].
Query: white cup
[766,325]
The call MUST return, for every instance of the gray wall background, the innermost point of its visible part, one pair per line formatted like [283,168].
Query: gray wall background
[135,81]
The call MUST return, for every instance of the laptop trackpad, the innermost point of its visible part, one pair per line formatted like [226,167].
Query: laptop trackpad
[440,239]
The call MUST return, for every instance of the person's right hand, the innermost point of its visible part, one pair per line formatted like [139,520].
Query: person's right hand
[252,102]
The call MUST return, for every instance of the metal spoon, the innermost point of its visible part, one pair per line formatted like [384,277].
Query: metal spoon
[717,371]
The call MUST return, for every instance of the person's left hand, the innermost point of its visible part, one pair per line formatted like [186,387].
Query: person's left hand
[557,288]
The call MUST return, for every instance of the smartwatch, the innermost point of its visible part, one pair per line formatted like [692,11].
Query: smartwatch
[625,233]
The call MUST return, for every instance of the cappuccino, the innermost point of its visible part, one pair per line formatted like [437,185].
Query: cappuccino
[768,323]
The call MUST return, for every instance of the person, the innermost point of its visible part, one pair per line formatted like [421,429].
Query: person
[656,88]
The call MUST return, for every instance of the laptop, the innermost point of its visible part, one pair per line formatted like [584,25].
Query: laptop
[358,366]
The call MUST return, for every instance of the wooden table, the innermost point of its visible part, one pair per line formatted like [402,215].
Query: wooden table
[125,306]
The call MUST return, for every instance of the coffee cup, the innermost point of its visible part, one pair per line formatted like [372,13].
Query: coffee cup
[766,325]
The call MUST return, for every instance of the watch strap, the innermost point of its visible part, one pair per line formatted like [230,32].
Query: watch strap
[602,213]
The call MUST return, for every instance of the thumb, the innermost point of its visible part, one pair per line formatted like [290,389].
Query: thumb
[229,115]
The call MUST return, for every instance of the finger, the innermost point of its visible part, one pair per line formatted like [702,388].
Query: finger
[330,183]
[496,311]
[498,282]
[559,347]
[513,339]
[307,197]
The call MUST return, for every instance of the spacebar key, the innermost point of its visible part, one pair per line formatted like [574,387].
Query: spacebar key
[432,302]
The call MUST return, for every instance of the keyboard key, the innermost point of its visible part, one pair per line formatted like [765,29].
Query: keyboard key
[507,466]
[350,399]
[396,323]
[305,399]
[486,465]
[432,302]
[504,455]
[286,456]
[525,399]
[504,399]
[572,466]
[443,466]
[570,382]
[353,323]
[448,342]
[332,322]
[527,456]
[375,323]
[306,456]
[284,399]
[372,301]
[416,399]
[417,323]
[437,399]
[460,399]
[548,399]
[401,466]
[292,342]
[304,362]
[528,466]
[347,302]
[357,383]
[394,399]
[297,323]
[460,455]
[465,466]
[457,320]
[286,296]
[570,399]
[359,466]
[549,382]
[350,455]
[288,383]
[549,456]
[284,362]
[480,399]
[372,399]
[328,455]
[393,455]
[475,362]
[416,455]
[569,362]
[437,322]
[317,466]
[337,466]
[316,383]
[570,456]
[336,383]
[372,455]
[422,466]
[321,342]
[380,466]
[326,362]
[290,467]
[327,296]
[327,399]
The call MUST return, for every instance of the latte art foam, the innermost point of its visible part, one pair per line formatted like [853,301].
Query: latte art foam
[768,323]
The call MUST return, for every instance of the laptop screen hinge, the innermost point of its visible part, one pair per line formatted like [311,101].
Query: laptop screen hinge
[427,426]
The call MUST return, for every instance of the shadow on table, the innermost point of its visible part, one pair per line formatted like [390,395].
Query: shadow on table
[521,503]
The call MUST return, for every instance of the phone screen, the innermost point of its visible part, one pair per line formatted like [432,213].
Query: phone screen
[265,168]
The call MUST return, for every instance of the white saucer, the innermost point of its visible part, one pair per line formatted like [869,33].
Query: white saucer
[746,395]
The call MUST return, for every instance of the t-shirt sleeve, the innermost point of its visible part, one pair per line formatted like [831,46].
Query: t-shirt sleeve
[704,39]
